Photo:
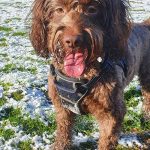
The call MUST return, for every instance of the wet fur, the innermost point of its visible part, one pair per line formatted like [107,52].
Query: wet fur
[117,37]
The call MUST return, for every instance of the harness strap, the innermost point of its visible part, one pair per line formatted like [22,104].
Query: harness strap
[72,91]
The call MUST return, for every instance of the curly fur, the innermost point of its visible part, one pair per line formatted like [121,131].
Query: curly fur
[109,32]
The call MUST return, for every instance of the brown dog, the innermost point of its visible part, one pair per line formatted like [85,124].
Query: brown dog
[95,53]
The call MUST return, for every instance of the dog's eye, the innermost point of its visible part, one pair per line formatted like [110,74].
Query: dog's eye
[59,10]
[75,4]
[91,10]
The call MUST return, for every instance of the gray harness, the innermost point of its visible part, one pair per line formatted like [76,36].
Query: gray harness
[72,91]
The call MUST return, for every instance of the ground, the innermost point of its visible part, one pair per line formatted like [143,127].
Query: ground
[26,114]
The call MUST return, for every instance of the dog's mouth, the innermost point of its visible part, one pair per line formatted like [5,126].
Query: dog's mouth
[74,63]
[73,60]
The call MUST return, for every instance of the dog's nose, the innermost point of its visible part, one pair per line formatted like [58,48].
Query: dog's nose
[72,41]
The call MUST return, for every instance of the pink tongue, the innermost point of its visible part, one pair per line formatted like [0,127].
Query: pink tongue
[74,64]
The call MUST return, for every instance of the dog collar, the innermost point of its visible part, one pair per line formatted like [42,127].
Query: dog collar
[72,91]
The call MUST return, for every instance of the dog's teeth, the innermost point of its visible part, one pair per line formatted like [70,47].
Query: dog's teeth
[99,59]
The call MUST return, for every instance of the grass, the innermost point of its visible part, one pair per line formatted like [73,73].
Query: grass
[17,95]
[3,40]
[7,134]
[32,70]
[36,127]
[5,29]
[29,126]
[4,55]
[19,34]
[3,44]
[8,68]
[133,119]
[11,114]
[25,145]
[2,101]
[6,85]
[85,125]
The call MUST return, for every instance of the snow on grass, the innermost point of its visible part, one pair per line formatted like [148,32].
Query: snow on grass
[26,114]
[1,92]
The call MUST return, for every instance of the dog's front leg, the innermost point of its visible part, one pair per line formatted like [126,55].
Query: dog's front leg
[110,121]
[110,128]
[109,113]
[64,119]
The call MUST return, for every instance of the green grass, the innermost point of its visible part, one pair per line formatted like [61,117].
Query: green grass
[3,40]
[36,127]
[8,68]
[4,55]
[6,86]
[14,115]
[132,121]
[3,44]
[7,134]
[85,125]
[131,94]
[25,145]
[2,101]
[19,34]
[5,29]
[17,95]
[29,126]
[32,70]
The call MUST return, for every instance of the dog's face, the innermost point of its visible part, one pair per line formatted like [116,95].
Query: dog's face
[77,32]
[76,38]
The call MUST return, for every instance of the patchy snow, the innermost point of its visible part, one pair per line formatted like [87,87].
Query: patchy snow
[80,138]
[34,103]
[1,92]
[125,140]
[130,140]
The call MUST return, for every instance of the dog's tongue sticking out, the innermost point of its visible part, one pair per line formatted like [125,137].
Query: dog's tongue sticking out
[74,64]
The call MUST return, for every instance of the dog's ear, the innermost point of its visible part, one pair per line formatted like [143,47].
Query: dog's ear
[117,27]
[38,34]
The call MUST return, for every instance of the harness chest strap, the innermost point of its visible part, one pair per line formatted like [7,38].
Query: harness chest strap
[72,91]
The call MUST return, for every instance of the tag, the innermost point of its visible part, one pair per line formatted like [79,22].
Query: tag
[99,59]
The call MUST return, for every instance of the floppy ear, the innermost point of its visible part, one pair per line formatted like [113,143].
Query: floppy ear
[38,34]
[117,27]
